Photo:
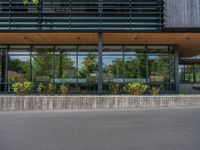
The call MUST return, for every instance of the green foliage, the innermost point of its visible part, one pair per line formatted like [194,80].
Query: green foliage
[156,90]
[41,88]
[89,66]
[42,66]
[64,89]
[117,67]
[18,88]
[114,88]
[137,88]
[36,2]
[135,66]
[159,66]
[63,63]
[28,87]
[50,89]
[19,68]
[22,88]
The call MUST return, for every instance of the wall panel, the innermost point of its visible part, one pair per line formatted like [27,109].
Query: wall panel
[182,13]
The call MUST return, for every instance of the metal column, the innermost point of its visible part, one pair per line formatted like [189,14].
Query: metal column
[176,69]
[100,63]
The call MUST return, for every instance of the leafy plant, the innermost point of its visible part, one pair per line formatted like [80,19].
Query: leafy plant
[50,89]
[41,88]
[22,88]
[137,88]
[18,88]
[64,89]
[156,90]
[36,2]
[114,88]
[28,87]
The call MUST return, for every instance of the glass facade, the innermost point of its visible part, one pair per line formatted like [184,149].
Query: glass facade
[189,69]
[77,66]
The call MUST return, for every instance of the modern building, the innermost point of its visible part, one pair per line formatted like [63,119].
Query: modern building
[92,44]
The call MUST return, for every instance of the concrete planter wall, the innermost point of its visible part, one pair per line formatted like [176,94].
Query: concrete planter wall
[16,103]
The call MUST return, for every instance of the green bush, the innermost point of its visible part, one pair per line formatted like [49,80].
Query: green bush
[22,88]
[18,88]
[28,87]
[137,88]
[50,89]
[41,88]
[155,90]
[114,88]
[64,89]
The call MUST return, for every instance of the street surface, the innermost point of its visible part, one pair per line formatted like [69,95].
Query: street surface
[137,129]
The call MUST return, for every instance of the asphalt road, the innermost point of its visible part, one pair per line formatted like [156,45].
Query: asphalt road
[139,129]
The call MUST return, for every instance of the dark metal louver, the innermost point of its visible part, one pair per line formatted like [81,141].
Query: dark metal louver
[82,15]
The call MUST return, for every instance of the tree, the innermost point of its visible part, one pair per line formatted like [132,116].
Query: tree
[135,67]
[36,2]
[89,66]
[65,66]
[20,67]
[43,66]
[117,68]
[159,67]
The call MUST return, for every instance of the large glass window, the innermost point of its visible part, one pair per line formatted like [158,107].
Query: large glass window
[19,64]
[87,69]
[113,64]
[189,69]
[161,67]
[159,64]
[42,64]
[135,64]
[66,66]
[186,73]
[77,66]
[197,69]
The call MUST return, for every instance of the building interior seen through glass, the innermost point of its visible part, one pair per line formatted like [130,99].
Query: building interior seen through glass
[189,69]
[77,66]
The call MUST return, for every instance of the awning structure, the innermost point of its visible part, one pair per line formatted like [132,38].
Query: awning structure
[188,44]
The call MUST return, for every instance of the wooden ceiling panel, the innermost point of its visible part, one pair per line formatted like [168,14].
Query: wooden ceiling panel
[48,38]
[188,43]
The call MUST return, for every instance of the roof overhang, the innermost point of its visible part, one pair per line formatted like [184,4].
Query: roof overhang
[188,44]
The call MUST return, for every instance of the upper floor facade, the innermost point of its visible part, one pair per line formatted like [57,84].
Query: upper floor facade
[99,15]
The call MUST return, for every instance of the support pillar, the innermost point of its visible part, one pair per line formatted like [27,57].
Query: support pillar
[100,63]
[176,70]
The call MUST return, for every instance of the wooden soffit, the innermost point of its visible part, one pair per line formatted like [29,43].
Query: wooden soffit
[188,43]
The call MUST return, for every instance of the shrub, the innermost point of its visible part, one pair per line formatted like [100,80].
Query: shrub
[22,88]
[114,88]
[41,88]
[18,88]
[28,87]
[136,88]
[64,89]
[50,89]
[155,90]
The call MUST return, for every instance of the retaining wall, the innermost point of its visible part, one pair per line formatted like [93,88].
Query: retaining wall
[18,103]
